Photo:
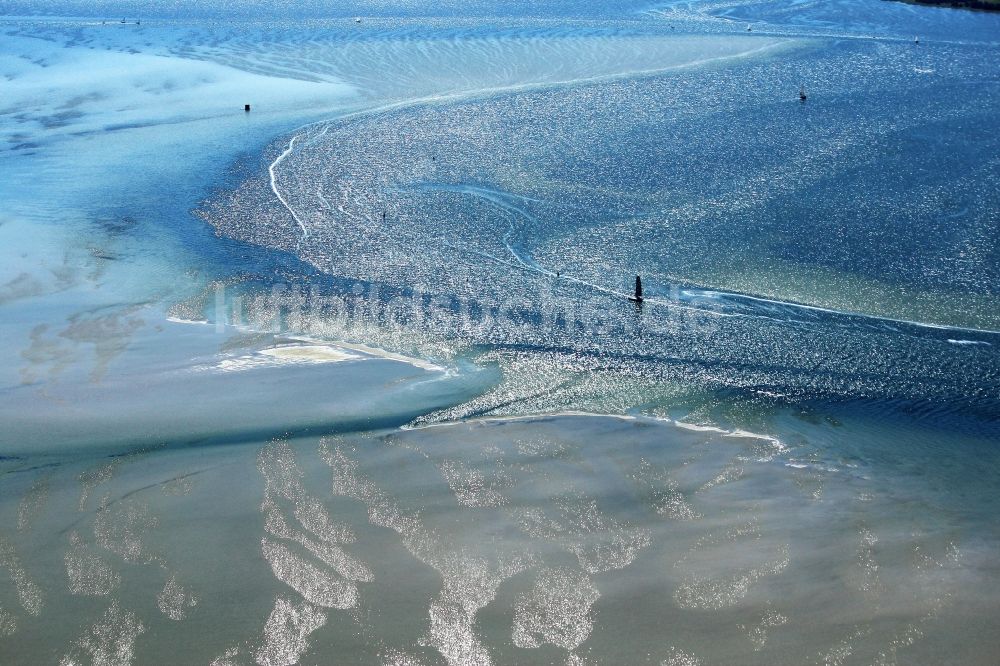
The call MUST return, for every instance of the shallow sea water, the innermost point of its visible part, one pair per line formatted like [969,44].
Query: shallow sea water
[352,378]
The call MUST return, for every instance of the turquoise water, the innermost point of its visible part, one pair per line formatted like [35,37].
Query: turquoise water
[352,378]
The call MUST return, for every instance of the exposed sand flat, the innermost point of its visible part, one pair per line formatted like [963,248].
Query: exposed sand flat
[66,92]
[309,354]
[382,353]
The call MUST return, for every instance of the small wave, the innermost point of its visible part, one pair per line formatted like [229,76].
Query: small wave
[179,320]
[391,356]
[738,433]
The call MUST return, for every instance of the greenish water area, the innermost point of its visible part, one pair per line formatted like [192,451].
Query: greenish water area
[353,376]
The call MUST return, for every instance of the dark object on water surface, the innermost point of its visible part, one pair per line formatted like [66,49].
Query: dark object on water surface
[637,298]
[246,107]
[802,93]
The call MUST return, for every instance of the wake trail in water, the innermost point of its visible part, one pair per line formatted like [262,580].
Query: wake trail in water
[504,201]
[501,200]
[271,170]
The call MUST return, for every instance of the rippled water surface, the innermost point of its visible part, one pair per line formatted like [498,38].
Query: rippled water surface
[354,377]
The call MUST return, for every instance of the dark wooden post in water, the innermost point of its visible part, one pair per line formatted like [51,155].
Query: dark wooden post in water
[246,107]
[637,298]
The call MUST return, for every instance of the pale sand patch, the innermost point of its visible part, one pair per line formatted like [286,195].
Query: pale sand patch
[309,354]
[382,353]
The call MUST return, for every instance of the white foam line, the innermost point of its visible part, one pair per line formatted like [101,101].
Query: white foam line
[778,444]
[179,320]
[725,433]
[816,308]
[522,417]
[621,417]
[274,187]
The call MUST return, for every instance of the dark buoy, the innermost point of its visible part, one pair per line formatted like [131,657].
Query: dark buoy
[802,93]
[246,107]
[637,298]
